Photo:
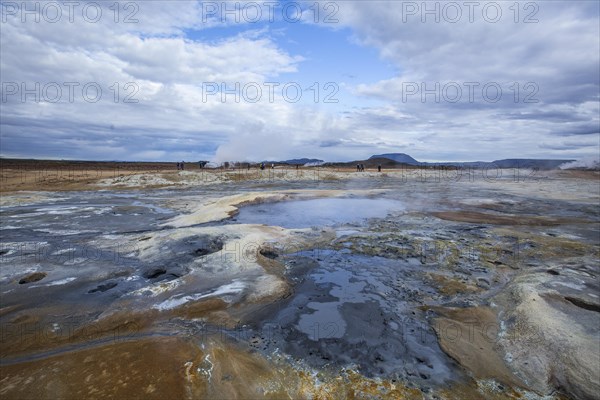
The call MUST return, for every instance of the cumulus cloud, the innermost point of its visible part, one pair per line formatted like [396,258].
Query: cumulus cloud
[547,71]
[129,85]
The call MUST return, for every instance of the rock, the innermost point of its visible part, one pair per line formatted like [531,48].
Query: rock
[483,283]
[154,273]
[103,287]
[36,276]
[269,254]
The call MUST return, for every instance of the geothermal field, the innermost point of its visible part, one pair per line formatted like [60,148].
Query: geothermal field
[311,283]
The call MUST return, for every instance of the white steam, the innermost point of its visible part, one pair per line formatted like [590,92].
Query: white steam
[584,163]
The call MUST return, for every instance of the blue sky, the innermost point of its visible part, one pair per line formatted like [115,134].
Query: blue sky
[403,81]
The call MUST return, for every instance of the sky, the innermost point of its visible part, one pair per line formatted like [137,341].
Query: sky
[267,80]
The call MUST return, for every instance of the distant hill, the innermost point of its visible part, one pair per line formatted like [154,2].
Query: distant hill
[302,161]
[398,157]
[529,163]
[543,164]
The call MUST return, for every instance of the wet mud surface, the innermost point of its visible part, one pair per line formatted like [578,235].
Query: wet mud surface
[332,289]
[354,310]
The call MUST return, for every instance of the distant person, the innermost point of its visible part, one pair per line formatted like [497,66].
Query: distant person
[178,167]
[182,164]
[379,168]
[262,166]
[272,166]
[357,167]
[362,167]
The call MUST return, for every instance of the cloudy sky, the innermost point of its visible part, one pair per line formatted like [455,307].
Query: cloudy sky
[336,80]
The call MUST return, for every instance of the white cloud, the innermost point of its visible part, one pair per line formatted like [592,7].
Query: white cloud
[554,61]
[153,64]
[167,63]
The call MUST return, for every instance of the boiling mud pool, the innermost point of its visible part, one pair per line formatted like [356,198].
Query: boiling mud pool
[358,311]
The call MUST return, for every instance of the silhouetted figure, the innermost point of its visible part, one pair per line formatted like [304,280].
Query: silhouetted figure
[178,167]
[362,167]
[379,168]
[262,166]
[182,164]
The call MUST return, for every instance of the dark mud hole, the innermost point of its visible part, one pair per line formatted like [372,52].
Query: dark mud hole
[357,311]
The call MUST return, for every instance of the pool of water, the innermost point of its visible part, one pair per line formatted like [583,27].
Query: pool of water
[317,212]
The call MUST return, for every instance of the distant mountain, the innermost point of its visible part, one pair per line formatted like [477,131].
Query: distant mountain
[543,164]
[398,157]
[529,163]
[302,161]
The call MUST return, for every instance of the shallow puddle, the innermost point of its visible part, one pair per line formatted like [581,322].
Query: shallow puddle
[317,212]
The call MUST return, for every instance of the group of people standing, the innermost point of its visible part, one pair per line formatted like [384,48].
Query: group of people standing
[263,166]
[361,168]
[201,164]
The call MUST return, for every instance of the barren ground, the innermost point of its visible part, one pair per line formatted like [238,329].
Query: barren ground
[141,281]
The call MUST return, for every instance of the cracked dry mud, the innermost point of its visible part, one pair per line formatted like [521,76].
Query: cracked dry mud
[366,286]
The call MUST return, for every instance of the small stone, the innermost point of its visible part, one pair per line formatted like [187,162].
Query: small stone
[36,276]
